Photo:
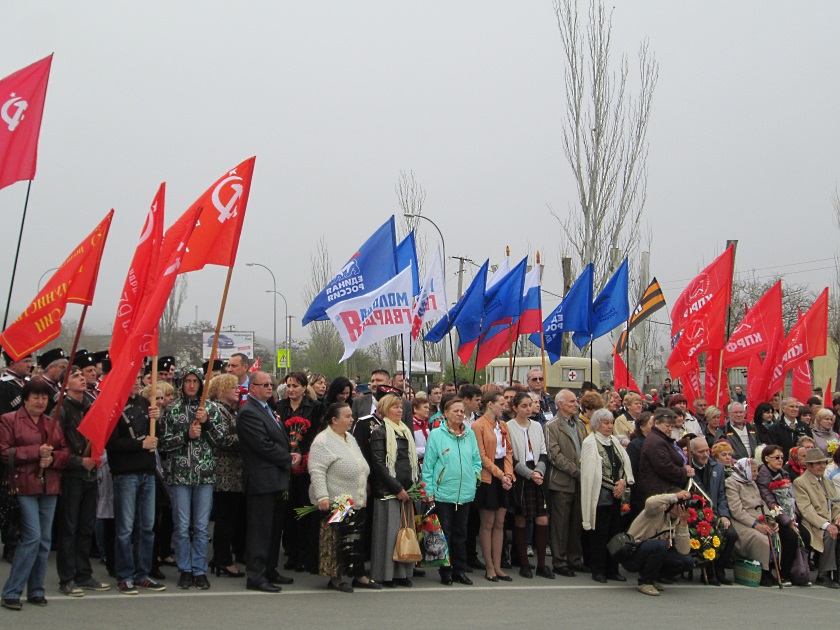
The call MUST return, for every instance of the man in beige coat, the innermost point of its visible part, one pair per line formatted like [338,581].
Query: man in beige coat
[564,435]
[817,501]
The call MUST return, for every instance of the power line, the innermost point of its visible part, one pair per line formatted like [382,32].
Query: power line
[668,282]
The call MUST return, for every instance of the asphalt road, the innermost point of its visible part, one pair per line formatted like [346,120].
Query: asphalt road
[535,603]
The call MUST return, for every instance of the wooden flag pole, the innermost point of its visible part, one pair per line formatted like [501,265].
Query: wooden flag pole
[511,355]
[153,394]
[216,336]
[17,254]
[717,383]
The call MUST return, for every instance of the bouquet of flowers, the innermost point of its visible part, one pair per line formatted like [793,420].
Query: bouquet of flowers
[832,445]
[301,468]
[417,492]
[783,491]
[297,427]
[341,506]
[705,539]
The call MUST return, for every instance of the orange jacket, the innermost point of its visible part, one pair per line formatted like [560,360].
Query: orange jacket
[484,430]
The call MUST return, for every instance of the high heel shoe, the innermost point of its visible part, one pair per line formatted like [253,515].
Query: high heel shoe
[220,570]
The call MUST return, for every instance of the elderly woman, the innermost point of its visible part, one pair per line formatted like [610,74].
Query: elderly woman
[723,454]
[228,495]
[589,403]
[191,435]
[452,466]
[747,510]
[529,462]
[497,479]
[395,469]
[776,490]
[605,473]
[337,469]
[626,422]
[823,430]
[32,444]
[795,465]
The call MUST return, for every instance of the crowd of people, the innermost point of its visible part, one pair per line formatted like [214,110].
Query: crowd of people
[309,475]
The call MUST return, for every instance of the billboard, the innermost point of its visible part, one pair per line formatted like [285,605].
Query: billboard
[229,343]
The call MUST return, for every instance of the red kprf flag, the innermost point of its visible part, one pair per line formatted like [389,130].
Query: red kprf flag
[75,281]
[103,416]
[703,332]
[692,388]
[801,387]
[806,340]
[827,399]
[22,96]
[622,376]
[141,274]
[753,333]
[215,239]
[716,393]
[714,282]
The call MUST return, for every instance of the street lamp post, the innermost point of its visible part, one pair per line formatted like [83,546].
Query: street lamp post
[285,319]
[42,277]
[274,320]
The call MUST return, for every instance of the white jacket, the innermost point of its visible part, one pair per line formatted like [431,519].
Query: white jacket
[591,468]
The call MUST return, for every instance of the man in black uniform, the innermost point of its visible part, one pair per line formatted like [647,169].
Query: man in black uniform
[53,363]
[86,362]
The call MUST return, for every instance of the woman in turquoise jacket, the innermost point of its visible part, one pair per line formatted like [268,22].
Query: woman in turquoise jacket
[451,470]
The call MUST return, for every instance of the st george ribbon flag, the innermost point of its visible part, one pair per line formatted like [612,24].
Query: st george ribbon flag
[432,299]
[572,314]
[609,310]
[466,314]
[714,281]
[22,97]
[407,258]
[103,416]
[74,281]
[141,274]
[753,334]
[382,313]
[652,300]
[369,268]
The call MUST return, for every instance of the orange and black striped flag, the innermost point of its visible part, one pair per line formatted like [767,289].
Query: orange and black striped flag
[651,301]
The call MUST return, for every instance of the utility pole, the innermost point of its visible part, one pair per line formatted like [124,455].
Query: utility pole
[461,260]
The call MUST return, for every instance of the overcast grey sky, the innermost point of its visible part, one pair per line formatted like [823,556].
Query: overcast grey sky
[335,98]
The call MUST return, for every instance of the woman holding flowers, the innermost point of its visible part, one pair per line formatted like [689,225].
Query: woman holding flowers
[748,510]
[338,472]
[605,474]
[301,417]
[823,431]
[776,489]
[395,469]
[450,471]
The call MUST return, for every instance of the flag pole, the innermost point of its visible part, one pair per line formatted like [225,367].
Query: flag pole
[425,368]
[17,254]
[402,354]
[153,395]
[591,359]
[215,347]
[542,356]
[511,355]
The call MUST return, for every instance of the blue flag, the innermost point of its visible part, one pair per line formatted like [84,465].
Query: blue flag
[407,257]
[609,310]
[372,266]
[572,314]
[466,314]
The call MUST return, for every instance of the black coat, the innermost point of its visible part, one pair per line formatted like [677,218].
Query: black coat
[661,466]
[266,458]
[739,452]
[786,437]
[382,482]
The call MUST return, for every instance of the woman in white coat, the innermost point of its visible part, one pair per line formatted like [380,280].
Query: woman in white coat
[605,474]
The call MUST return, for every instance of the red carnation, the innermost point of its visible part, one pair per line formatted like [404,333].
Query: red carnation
[703,528]
[761,518]
[692,515]
[708,514]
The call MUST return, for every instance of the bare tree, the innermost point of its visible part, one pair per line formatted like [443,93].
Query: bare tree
[325,347]
[748,288]
[604,139]
[172,314]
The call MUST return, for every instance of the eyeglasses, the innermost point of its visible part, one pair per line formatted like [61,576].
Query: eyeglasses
[775,457]
[537,378]
[262,384]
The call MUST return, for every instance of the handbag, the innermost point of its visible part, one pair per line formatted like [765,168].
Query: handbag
[432,541]
[407,549]
[622,546]
[9,505]
[800,572]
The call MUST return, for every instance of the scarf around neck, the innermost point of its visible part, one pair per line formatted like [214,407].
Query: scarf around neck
[392,429]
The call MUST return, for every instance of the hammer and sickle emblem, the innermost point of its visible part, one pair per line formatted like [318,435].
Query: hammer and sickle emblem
[20,106]
[228,210]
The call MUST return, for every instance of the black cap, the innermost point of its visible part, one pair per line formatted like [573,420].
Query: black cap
[49,356]
[104,358]
[217,365]
[83,359]
[8,359]
[164,363]
[147,369]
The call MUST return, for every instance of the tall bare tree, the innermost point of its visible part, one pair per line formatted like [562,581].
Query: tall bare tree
[604,139]
[325,346]
[172,314]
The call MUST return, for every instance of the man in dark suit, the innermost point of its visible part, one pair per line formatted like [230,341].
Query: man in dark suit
[366,405]
[266,466]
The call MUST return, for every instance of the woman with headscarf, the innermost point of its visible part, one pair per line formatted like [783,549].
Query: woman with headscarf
[191,435]
[748,517]
[605,474]
[395,469]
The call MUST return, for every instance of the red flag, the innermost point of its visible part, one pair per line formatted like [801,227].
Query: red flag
[622,376]
[765,383]
[256,366]
[713,282]
[74,281]
[22,96]
[802,388]
[703,332]
[141,274]
[806,340]
[827,399]
[756,381]
[102,417]
[753,333]
[692,388]
[215,239]
[716,393]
